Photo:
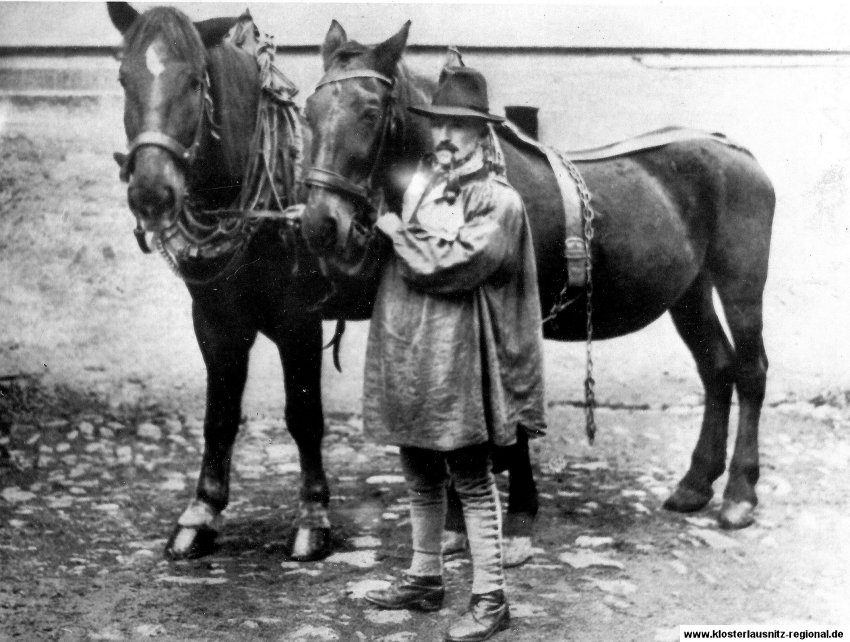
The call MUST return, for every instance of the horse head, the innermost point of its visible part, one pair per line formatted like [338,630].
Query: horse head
[360,130]
[164,73]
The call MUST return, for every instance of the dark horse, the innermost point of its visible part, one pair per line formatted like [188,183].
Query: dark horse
[191,110]
[672,223]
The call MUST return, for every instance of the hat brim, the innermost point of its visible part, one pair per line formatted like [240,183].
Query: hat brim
[459,112]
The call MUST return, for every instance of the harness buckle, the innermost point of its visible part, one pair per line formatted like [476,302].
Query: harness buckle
[575,252]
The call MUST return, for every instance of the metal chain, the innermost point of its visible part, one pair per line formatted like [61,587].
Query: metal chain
[561,303]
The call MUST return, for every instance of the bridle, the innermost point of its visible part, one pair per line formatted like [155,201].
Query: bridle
[323,178]
[267,191]
[185,156]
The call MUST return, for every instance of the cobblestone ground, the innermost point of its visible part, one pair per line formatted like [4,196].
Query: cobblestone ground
[101,379]
[89,493]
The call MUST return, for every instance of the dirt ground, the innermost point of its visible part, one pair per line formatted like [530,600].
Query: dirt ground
[101,397]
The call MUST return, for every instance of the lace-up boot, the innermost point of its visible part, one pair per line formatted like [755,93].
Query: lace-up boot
[488,614]
[414,592]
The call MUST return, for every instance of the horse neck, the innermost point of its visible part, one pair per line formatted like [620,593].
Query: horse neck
[234,87]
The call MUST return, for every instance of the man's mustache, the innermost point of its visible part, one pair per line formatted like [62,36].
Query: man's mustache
[446,146]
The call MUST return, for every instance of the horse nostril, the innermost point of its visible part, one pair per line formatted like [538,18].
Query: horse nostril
[155,205]
[168,199]
[319,231]
[325,237]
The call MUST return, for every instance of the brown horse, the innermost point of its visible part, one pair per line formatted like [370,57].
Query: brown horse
[191,110]
[672,223]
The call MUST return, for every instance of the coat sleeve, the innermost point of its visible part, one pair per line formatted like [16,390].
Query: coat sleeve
[484,247]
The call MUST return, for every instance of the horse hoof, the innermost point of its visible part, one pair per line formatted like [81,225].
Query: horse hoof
[310,544]
[686,500]
[736,515]
[516,551]
[187,542]
[454,543]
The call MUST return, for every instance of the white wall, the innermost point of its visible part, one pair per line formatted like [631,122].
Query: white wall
[781,24]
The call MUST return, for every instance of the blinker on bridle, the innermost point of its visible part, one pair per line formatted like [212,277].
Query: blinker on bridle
[335,182]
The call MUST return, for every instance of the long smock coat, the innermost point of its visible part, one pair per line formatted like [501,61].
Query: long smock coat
[454,355]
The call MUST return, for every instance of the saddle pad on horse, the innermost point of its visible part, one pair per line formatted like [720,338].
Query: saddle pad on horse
[575,247]
[643,142]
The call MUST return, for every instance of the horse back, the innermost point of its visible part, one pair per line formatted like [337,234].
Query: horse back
[662,216]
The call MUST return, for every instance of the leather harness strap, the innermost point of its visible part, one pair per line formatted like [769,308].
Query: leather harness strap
[158,139]
[154,138]
[330,180]
[575,248]
[347,74]
[575,251]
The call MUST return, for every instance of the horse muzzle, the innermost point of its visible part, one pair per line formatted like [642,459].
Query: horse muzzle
[154,208]
[321,222]
[155,191]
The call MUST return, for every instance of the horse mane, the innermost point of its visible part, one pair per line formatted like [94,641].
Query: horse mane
[174,28]
[411,89]
[234,84]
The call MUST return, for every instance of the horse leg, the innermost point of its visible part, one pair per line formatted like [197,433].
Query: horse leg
[522,499]
[225,353]
[697,323]
[744,316]
[301,355]
[738,260]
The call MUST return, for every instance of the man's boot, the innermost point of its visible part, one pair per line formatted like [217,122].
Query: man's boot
[414,592]
[488,614]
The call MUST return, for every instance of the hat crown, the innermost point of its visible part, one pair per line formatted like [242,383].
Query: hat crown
[462,87]
[461,93]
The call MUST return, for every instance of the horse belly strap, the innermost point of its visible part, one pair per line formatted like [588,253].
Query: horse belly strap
[575,249]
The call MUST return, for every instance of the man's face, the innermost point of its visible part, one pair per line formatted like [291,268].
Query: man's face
[455,138]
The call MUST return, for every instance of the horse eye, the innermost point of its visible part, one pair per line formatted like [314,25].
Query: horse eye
[195,84]
[370,117]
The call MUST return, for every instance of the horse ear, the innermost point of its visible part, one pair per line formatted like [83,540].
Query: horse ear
[213,30]
[122,15]
[388,52]
[453,58]
[335,38]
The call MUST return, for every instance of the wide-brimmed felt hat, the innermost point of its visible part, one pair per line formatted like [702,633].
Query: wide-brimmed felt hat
[461,92]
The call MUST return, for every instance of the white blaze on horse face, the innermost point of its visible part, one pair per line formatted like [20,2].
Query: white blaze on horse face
[153,60]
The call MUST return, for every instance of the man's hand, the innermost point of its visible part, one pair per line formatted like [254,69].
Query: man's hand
[388,223]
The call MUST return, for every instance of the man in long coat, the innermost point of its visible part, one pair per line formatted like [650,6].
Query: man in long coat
[454,356]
